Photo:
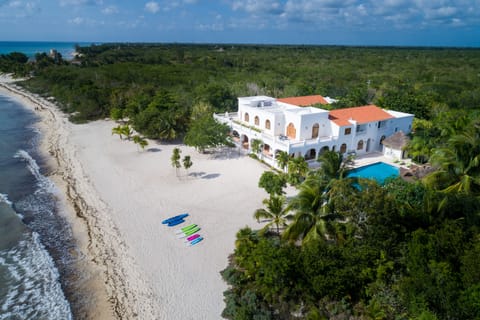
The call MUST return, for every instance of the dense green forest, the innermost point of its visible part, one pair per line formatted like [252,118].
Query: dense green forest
[340,249]
[131,80]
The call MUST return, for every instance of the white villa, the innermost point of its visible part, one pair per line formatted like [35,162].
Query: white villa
[295,126]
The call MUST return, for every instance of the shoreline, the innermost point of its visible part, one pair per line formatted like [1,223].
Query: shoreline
[119,195]
[109,289]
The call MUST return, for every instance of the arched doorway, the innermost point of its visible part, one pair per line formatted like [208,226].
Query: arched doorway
[267,124]
[257,121]
[381,140]
[323,150]
[368,145]
[247,117]
[245,143]
[267,150]
[343,148]
[235,136]
[311,154]
[315,129]
[291,131]
[360,145]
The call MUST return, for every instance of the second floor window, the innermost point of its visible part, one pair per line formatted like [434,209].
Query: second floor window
[257,121]
[267,124]
[348,131]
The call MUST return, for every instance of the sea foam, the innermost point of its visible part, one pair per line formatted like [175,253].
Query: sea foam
[34,290]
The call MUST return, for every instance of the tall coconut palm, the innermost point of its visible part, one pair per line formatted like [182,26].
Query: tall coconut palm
[187,163]
[276,212]
[175,159]
[459,164]
[332,165]
[312,219]
[127,131]
[139,141]
[282,159]
[297,170]
[256,146]
[118,130]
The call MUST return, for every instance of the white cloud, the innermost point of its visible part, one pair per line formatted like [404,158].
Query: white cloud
[211,27]
[152,7]
[110,10]
[76,20]
[258,6]
[324,14]
[77,3]
[80,21]
[15,4]
[20,9]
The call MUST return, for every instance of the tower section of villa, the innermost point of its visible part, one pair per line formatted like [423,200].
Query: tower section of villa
[307,131]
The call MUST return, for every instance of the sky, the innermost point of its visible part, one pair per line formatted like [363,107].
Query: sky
[323,22]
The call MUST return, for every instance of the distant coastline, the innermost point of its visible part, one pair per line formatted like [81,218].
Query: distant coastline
[30,48]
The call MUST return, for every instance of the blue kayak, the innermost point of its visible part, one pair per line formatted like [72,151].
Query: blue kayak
[194,242]
[180,216]
[175,222]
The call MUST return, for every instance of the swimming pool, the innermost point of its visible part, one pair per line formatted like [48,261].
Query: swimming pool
[378,171]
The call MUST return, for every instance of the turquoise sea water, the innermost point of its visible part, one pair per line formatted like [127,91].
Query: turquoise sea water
[31,48]
[378,171]
[34,240]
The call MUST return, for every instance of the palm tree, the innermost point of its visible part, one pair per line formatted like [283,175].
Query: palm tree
[459,164]
[297,170]
[187,163]
[175,159]
[275,212]
[118,130]
[256,146]
[127,131]
[282,158]
[139,141]
[332,164]
[312,219]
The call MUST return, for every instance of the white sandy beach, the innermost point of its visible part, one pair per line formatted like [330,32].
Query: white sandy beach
[121,195]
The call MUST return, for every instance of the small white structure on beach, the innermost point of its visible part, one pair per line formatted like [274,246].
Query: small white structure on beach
[293,125]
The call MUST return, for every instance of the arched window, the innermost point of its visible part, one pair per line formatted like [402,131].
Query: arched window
[360,145]
[247,117]
[315,128]
[257,121]
[267,124]
[291,131]
[343,148]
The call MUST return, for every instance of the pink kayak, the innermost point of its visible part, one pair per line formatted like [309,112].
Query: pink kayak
[193,237]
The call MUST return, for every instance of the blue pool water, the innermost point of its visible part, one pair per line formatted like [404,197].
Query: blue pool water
[378,171]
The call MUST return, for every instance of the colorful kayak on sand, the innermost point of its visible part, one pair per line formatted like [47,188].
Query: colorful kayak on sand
[180,216]
[194,242]
[181,230]
[188,233]
[193,237]
[175,222]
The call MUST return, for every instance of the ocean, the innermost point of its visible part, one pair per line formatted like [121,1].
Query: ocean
[38,279]
[34,239]
[30,48]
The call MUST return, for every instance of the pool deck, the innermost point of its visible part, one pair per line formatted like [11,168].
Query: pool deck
[370,158]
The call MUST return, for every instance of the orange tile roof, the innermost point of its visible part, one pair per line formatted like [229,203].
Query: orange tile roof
[304,101]
[362,115]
